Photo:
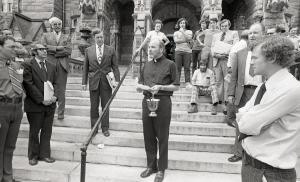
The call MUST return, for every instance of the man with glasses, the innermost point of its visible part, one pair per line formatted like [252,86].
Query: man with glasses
[220,60]
[39,110]
[59,50]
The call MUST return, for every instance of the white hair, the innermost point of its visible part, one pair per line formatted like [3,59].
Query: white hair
[54,19]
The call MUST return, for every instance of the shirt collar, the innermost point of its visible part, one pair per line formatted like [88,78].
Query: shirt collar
[159,59]
[39,61]
[275,78]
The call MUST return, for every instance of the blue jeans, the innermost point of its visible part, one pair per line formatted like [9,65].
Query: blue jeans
[253,174]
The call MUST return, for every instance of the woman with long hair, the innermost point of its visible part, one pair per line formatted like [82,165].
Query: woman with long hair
[183,50]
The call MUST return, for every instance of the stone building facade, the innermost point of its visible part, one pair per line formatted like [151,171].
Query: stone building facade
[126,22]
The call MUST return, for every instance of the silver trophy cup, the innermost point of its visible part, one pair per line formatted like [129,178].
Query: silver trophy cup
[152,106]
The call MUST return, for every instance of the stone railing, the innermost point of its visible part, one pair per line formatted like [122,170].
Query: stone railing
[76,67]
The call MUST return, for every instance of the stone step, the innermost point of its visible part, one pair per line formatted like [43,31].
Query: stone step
[136,125]
[128,113]
[136,157]
[138,96]
[132,139]
[107,173]
[129,88]
[137,104]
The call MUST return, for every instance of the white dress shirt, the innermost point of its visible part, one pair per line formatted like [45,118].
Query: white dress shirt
[274,123]
[251,80]
[57,36]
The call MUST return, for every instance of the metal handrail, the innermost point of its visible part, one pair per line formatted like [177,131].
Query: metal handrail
[91,134]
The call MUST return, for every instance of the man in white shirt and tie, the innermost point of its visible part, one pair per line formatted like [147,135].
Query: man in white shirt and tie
[269,122]
[100,59]
[242,83]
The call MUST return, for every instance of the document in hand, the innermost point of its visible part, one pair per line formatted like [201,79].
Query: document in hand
[221,47]
[111,80]
[48,90]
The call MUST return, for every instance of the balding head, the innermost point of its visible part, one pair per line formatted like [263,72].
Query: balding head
[256,31]
[155,48]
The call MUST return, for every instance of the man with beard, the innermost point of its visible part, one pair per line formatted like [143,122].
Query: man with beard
[243,82]
[159,78]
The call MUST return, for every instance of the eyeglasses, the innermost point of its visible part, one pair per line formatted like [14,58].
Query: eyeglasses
[56,23]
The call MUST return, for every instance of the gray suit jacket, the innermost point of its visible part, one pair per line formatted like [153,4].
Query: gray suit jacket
[236,85]
[95,72]
[55,56]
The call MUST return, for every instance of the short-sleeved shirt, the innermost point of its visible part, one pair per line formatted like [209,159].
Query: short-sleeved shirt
[183,47]
[153,34]
[159,72]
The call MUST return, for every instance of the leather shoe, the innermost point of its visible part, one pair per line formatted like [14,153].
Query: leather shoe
[234,158]
[148,172]
[33,162]
[48,159]
[159,176]
[106,133]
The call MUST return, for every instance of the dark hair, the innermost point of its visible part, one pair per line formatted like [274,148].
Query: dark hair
[244,34]
[279,29]
[179,21]
[214,19]
[277,48]
[3,39]
[157,21]
[224,21]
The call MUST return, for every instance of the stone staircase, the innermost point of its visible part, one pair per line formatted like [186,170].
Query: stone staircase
[199,143]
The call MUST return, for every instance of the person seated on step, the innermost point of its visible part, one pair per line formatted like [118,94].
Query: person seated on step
[204,84]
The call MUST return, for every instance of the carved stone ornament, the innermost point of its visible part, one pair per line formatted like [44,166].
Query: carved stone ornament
[276,6]
[87,7]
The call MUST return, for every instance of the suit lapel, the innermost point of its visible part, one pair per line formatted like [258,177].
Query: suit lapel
[37,68]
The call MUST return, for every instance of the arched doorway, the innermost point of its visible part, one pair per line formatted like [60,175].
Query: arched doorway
[239,12]
[120,30]
[169,11]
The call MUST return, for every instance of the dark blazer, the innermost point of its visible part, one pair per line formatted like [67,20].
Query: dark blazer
[55,56]
[34,85]
[94,71]
[236,85]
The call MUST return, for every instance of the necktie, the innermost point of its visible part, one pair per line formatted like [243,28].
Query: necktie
[16,83]
[223,36]
[258,98]
[44,71]
[251,70]
[100,56]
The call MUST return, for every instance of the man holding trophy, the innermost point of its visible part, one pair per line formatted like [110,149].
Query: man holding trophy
[158,79]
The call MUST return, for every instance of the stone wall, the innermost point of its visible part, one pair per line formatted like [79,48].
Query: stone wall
[294,9]
[37,6]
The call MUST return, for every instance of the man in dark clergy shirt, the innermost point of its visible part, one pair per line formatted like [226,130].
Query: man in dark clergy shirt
[159,77]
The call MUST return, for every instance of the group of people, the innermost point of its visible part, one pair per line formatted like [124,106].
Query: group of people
[26,73]
[249,75]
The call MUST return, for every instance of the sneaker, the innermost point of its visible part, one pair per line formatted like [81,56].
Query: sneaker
[213,110]
[188,85]
[193,108]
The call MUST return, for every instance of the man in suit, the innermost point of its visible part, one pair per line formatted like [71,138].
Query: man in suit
[220,60]
[100,59]
[59,50]
[40,112]
[243,82]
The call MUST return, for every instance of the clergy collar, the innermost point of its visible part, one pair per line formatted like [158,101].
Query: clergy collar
[158,59]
